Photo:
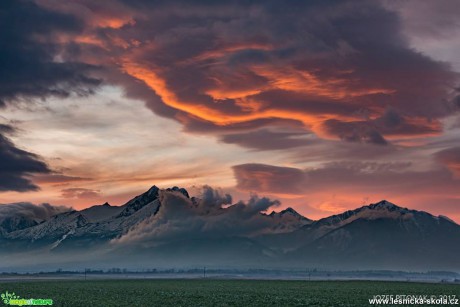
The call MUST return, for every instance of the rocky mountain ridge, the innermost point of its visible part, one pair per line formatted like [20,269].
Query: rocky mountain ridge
[168,225]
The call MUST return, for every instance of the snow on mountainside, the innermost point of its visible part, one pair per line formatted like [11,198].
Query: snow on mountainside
[377,235]
[11,223]
[417,221]
[139,202]
[51,229]
[382,234]
[100,213]
[21,215]
[382,209]
[98,222]
[104,222]
[288,220]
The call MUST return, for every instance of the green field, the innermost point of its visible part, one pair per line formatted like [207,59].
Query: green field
[216,292]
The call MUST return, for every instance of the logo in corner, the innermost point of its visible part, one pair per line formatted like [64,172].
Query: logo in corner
[15,300]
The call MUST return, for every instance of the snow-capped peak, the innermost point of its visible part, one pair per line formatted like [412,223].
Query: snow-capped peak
[140,201]
[153,191]
[288,212]
[384,204]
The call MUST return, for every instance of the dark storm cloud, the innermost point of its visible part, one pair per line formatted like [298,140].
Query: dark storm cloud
[16,165]
[195,125]
[269,178]
[7,129]
[303,102]
[28,63]
[236,63]
[31,66]
[334,177]
[355,131]
[245,66]
[21,170]
[391,123]
[210,216]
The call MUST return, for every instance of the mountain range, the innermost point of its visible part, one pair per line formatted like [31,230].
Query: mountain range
[168,228]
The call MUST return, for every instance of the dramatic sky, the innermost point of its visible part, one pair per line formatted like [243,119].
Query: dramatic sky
[323,105]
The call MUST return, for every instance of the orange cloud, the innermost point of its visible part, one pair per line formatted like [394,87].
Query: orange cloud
[226,50]
[250,106]
[227,73]
[290,79]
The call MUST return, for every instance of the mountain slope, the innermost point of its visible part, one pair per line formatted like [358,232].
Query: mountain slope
[12,223]
[168,227]
[382,235]
[97,223]
[288,220]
